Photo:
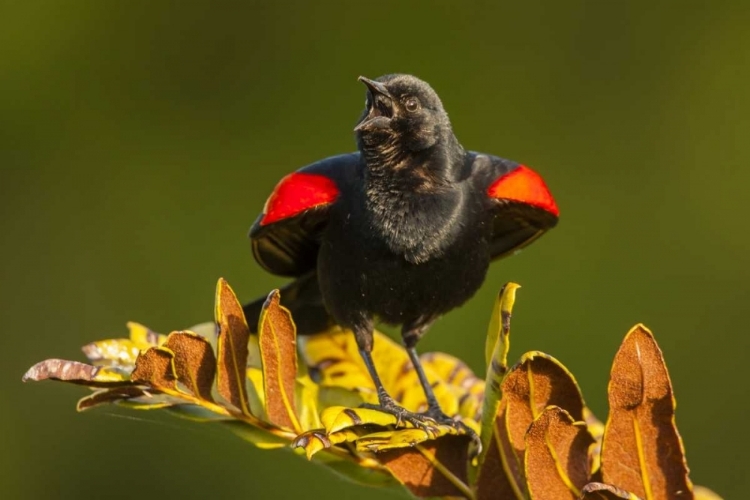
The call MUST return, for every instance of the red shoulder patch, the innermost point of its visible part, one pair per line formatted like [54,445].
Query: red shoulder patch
[525,186]
[296,193]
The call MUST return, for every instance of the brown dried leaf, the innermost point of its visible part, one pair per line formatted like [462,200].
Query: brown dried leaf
[232,347]
[194,361]
[432,469]
[278,351]
[556,463]
[496,478]
[108,396]
[155,368]
[642,451]
[535,382]
[75,373]
[601,491]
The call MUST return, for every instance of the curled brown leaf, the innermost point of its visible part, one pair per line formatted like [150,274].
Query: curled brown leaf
[155,368]
[194,362]
[556,461]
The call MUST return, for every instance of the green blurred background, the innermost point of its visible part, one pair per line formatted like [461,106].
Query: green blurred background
[138,141]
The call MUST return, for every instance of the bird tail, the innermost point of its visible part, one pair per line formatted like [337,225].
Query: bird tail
[303,299]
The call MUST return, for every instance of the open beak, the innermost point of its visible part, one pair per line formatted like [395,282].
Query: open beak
[375,87]
[381,107]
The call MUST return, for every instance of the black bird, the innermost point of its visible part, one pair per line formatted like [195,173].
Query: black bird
[401,231]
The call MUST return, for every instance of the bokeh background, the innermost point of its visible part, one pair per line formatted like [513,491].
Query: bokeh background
[138,141]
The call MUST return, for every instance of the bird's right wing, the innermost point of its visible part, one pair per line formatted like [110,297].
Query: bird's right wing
[521,205]
[286,236]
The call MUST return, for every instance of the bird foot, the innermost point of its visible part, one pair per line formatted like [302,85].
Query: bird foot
[436,414]
[427,421]
[418,420]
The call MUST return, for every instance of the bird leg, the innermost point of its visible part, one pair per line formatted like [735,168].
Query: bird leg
[386,403]
[411,336]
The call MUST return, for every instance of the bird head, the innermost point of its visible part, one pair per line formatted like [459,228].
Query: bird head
[402,111]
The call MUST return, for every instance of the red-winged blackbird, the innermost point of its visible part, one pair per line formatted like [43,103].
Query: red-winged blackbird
[401,231]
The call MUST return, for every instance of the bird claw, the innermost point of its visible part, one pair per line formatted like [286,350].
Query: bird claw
[418,420]
[441,418]
[427,421]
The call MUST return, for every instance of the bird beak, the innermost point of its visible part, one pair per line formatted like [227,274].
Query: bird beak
[381,108]
[375,87]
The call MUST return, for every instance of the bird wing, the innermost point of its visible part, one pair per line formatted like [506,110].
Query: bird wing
[286,236]
[521,205]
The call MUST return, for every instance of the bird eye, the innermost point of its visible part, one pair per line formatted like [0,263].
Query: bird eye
[411,104]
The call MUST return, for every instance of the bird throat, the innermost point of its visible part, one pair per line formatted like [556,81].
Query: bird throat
[412,200]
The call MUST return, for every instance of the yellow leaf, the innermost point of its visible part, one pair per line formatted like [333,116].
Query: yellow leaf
[255,395]
[402,438]
[278,351]
[317,440]
[122,353]
[112,352]
[496,345]
[703,493]
[466,389]
[337,396]
[334,358]
[496,355]
[337,418]
[596,429]
[144,337]
[306,397]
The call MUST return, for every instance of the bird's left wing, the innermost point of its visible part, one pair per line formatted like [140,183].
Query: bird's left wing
[286,236]
[522,206]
